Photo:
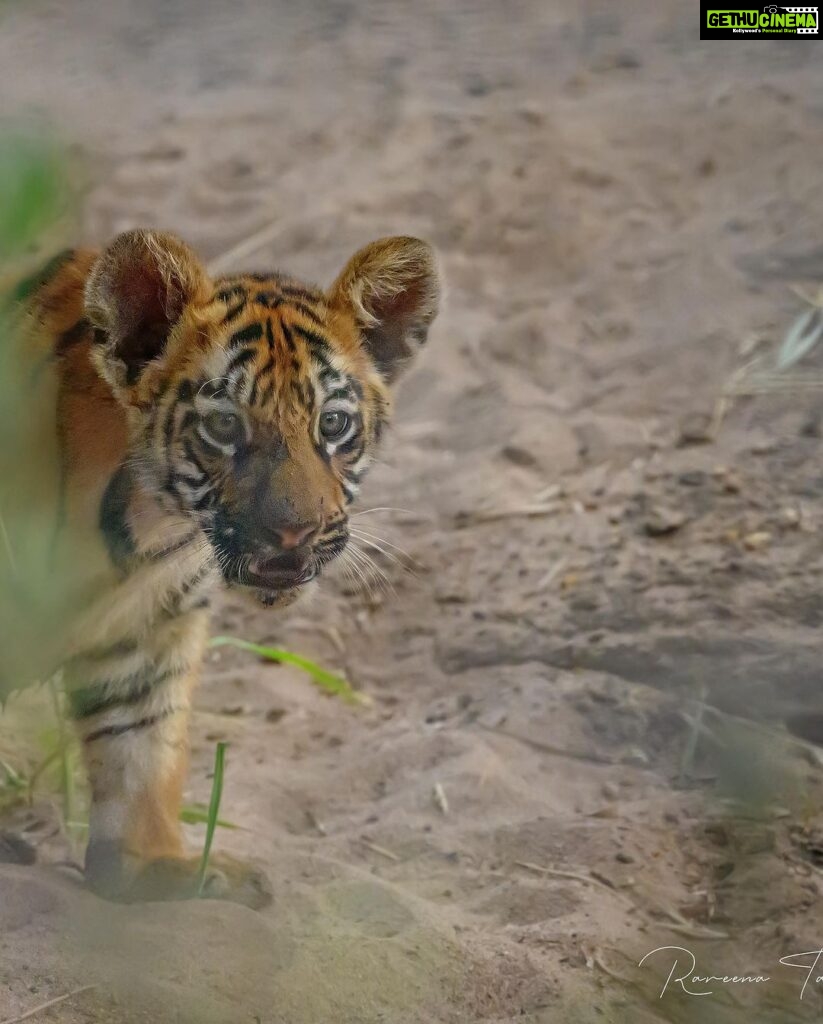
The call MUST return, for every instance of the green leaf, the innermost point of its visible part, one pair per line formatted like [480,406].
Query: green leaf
[213,814]
[326,680]
[198,814]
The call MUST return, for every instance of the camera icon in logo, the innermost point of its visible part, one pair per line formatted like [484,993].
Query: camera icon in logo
[771,9]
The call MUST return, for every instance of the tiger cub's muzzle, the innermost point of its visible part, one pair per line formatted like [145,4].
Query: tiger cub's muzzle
[280,559]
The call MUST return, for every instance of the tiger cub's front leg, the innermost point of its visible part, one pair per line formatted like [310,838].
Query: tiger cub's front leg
[131,705]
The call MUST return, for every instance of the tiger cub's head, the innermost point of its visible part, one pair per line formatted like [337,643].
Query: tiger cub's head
[255,402]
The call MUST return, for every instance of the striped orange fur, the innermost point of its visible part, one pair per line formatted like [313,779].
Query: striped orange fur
[207,433]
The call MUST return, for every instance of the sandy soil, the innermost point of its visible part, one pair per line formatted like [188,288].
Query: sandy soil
[620,210]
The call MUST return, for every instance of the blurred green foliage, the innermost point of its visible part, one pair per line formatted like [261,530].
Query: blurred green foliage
[35,199]
[34,192]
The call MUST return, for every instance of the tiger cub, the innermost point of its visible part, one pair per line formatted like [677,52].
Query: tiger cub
[195,433]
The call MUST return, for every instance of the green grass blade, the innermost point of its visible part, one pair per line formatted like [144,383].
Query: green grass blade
[13,779]
[214,811]
[66,755]
[326,680]
[198,814]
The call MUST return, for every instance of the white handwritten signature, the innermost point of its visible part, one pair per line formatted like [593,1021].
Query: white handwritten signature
[683,971]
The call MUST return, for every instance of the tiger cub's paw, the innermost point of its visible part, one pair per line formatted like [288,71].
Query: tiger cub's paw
[230,879]
[179,879]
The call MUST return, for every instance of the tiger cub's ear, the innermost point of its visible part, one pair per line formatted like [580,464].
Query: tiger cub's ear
[392,287]
[136,293]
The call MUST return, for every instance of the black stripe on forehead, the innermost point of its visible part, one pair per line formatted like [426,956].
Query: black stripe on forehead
[235,297]
[308,398]
[292,298]
[235,311]
[306,311]
[289,339]
[269,299]
[270,277]
[263,377]
[319,347]
[321,351]
[253,332]
[263,382]
[235,290]
[301,291]
[287,285]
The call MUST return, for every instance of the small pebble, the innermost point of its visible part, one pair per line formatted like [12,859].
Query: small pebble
[636,757]
[696,428]
[234,710]
[790,517]
[660,522]
[757,541]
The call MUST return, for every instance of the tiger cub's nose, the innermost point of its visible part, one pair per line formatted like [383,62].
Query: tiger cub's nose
[296,535]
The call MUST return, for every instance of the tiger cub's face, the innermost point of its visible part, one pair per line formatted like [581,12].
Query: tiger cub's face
[255,403]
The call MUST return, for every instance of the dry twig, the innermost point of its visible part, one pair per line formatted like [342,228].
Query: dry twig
[492,515]
[381,850]
[572,876]
[45,1006]
[550,748]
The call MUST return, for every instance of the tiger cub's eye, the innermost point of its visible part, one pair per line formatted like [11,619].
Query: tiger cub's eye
[224,427]
[334,423]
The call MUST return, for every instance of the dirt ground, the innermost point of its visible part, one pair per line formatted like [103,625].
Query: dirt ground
[621,211]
